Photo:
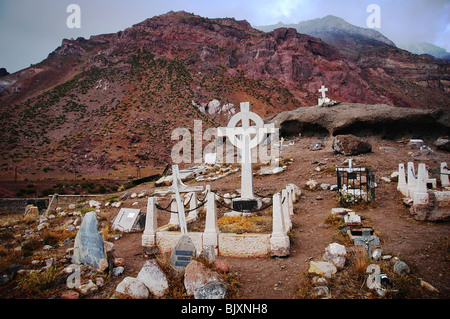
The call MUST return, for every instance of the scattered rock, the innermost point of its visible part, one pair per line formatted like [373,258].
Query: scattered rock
[336,249]
[323,268]
[87,288]
[153,278]
[221,265]
[119,262]
[133,288]
[321,292]
[312,184]
[350,145]
[400,268]
[443,144]
[212,290]
[376,254]
[208,253]
[70,294]
[319,281]
[197,275]
[428,286]
[117,271]
[103,265]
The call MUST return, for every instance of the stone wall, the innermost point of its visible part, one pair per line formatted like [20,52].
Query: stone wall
[18,205]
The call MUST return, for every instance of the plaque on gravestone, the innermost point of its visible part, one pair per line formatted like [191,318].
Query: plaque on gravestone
[128,219]
[183,253]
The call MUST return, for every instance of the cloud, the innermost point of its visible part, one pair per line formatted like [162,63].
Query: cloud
[31,29]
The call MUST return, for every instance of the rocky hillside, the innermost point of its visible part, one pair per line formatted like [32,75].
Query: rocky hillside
[408,80]
[101,106]
[349,39]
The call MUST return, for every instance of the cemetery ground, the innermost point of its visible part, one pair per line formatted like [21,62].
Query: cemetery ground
[424,246]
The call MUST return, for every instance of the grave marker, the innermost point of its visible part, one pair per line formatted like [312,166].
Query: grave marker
[128,219]
[245,138]
[183,253]
[366,240]
[444,175]
[322,100]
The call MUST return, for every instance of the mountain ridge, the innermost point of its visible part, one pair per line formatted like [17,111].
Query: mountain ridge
[110,103]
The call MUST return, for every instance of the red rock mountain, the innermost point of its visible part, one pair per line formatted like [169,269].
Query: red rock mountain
[104,105]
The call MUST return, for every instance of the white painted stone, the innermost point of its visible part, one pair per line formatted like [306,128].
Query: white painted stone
[133,288]
[285,210]
[352,218]
[211,225]
[420,194]
[279,240]
[153,278]
[401,184]
[151,223]
[411,182]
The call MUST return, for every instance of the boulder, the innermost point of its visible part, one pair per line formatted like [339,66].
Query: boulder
[350,145]
[212,290]
[88,245]
[322,268]
[443,144]
[153,278]
[197,275]
[400,268]
[132,288]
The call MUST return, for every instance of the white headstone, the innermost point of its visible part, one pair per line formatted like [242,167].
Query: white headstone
[279,240]
[210,158]
[151,223]
[420,193]
[411,182]
[210,235]
[127,219]
[401,185]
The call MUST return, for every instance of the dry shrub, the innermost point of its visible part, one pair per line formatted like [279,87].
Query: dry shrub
[35,285]
[240,224]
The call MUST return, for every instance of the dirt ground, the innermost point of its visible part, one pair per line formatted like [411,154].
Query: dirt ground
[422,245]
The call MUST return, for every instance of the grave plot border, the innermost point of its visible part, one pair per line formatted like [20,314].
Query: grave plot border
[360,191]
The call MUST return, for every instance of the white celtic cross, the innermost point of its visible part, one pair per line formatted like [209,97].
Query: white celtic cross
[245,138]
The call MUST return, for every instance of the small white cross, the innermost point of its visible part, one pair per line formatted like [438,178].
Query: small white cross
[322,90]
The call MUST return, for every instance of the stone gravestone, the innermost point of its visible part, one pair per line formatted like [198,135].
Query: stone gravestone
[183,253]
[88,246]
[245,138]
[128,219]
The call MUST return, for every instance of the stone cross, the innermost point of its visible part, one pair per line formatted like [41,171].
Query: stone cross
[366,240]
[246,138]
[322,90]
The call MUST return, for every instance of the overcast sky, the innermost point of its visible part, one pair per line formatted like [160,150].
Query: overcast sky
[31,29]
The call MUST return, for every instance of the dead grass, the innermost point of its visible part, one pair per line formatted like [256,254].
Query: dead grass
[36,285]
[251,224]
